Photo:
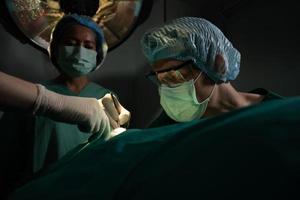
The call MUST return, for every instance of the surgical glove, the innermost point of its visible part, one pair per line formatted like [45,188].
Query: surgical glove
[117,114]
[87,113]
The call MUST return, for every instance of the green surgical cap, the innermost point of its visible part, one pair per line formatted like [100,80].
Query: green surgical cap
[196,39]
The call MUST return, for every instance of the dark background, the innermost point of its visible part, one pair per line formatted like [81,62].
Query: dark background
[266,34]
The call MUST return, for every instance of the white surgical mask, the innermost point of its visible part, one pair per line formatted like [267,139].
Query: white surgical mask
[181,103]
[76,60]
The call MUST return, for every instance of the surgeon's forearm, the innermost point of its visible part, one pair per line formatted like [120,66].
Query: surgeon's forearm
[16,93]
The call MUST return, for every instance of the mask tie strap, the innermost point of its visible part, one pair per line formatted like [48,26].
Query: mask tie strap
[197,77]
[212,89]
[212,92]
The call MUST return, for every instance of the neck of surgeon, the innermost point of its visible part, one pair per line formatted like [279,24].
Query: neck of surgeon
[226,98]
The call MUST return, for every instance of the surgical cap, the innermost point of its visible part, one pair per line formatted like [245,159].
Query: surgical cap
[196,39]
[73,19]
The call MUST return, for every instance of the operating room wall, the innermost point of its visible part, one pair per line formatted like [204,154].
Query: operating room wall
[265,33]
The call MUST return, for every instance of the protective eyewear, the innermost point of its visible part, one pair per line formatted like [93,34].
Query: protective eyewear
[152,75]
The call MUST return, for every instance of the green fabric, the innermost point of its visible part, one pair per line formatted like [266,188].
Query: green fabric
[30,143]
[163,119]
[54,139]
[250,153]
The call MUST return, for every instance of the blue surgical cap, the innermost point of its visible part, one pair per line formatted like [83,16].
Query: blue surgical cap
[196,39]
[72,19]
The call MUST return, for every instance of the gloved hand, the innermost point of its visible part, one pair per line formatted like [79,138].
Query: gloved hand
[87,113]
[117,114]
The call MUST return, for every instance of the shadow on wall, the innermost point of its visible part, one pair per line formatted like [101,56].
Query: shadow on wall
[23,60]
[267,35]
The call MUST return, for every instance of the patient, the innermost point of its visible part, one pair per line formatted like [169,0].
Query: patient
[193,64]
[30,144]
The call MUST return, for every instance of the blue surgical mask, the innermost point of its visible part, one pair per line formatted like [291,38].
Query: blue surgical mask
[180,102]
[76,61]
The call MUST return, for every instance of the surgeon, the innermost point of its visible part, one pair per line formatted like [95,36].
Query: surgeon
[31,144]
[193,64]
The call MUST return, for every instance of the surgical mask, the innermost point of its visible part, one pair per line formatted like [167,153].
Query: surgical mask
[180,102]
[76,61]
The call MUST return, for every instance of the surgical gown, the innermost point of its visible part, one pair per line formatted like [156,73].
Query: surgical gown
[30,143]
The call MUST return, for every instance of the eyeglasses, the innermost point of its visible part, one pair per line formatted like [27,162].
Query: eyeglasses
[152,75]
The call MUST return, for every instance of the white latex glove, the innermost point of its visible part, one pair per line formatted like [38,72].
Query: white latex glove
[87,113]
[117,114]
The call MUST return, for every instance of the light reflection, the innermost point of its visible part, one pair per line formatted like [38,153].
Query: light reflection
[36,18]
